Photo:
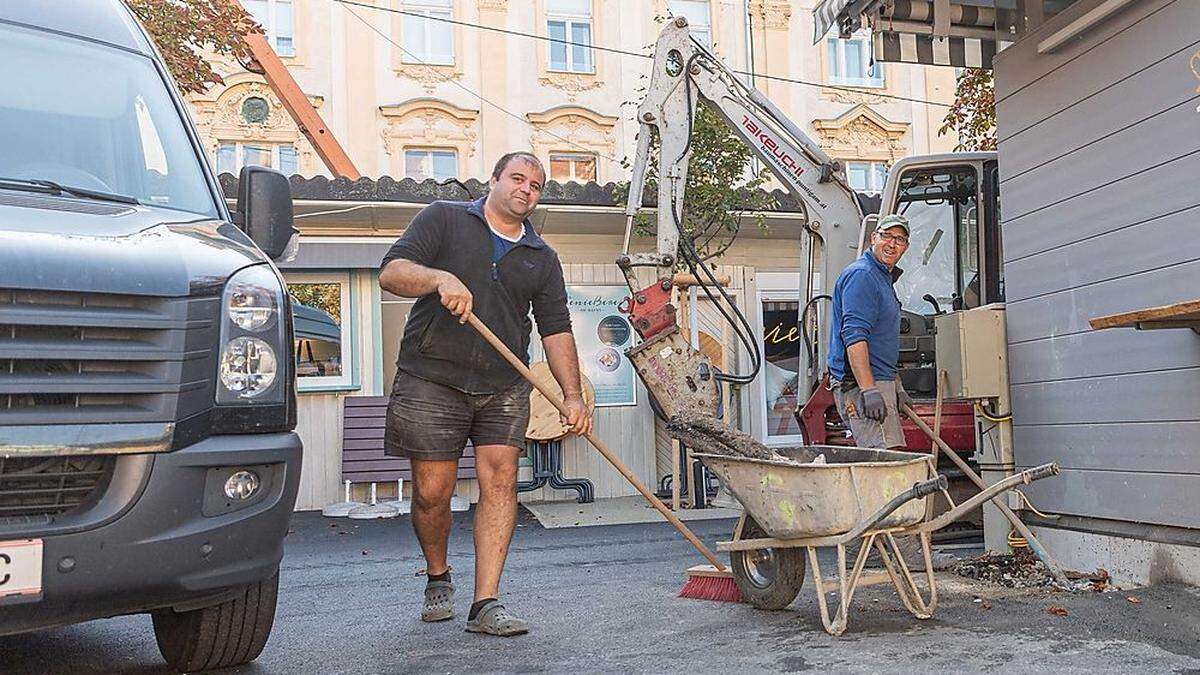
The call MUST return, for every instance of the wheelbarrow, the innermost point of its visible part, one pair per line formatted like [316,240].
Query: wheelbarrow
[832,496]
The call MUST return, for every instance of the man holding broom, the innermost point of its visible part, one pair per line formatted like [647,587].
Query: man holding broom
[452,386]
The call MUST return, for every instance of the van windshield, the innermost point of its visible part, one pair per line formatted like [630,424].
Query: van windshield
[97,118]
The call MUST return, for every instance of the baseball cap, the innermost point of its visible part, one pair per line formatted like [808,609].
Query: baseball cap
[893,220]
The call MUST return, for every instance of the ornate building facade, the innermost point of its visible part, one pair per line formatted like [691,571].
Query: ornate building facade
[414,88]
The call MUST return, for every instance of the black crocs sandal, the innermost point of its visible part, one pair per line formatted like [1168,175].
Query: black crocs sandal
[494,619]
[439,601]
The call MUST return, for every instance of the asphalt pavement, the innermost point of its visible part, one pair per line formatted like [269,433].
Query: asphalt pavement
[604,600]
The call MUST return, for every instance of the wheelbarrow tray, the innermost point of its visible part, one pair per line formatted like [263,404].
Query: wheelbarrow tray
[796,499]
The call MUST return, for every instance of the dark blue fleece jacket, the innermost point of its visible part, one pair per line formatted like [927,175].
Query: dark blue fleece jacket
[865,308]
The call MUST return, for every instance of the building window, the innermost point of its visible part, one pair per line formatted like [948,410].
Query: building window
[232,156]
[439,165]
[572,166]
[322,340]
[275,17]
[867,176]
[781,364]
[851,62]
[698,16]
[427,35]
[570,21]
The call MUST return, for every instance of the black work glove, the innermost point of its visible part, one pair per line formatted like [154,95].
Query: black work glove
[902,397]
[871,405]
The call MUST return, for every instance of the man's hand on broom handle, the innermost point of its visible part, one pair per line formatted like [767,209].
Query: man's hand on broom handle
[578,418]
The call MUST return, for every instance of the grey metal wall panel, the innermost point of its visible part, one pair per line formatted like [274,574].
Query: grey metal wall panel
[1066,312]
[1098,353]
[1163,137]
[1099,162]
[1168,446]
[1107,256]
[1161,396]
[1024,68]
[1162,86]
[1163,499]
[1161,191]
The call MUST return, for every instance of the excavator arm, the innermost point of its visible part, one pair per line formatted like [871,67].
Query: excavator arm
[685,73]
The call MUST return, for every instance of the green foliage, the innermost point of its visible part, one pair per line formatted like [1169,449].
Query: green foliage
[186,30]
[721,191]
[325,297]
[973,115]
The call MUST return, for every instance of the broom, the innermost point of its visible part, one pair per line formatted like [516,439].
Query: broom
[704,582]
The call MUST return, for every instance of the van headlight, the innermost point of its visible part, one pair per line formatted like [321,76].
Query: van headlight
[252,338]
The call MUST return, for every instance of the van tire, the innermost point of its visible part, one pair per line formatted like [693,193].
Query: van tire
[229,634]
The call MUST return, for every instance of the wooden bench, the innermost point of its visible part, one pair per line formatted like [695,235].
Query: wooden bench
[363,459]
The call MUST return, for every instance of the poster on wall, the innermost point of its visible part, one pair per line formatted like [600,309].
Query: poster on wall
[603,334]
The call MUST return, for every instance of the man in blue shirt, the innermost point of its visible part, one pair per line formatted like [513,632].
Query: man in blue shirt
[864,340]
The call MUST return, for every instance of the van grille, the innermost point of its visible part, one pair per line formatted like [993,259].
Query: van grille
[72,358]
[36,490]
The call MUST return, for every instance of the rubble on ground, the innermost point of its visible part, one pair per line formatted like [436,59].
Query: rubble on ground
[1023,569]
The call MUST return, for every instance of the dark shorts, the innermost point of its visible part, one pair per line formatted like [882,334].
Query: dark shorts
[426,420]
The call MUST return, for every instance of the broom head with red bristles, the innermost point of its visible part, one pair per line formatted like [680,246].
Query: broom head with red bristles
[705,582]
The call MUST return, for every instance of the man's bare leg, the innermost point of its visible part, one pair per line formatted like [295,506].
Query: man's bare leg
[495,515]
[433,486]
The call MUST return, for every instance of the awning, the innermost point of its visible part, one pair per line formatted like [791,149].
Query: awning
[959,52]
[825,15]
[957,33]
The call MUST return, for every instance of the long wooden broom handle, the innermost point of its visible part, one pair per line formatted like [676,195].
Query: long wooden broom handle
[596,442]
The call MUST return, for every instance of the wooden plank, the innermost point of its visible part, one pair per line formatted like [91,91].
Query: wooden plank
[365,402]
[365,422]
[1151,194]
[1166,447]
[1180,311]
[352,433]
[1126,153]
[1120,495]
[1068,311]
[1142,247]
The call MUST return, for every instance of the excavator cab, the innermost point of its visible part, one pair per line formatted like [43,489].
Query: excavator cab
[953,261]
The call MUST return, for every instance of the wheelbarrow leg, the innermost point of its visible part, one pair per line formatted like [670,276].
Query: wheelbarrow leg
[906,586]
[846,587]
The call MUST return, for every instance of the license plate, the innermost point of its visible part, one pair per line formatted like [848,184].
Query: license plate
[20,570]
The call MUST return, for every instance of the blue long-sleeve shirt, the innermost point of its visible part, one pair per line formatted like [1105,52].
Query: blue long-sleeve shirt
[865,308]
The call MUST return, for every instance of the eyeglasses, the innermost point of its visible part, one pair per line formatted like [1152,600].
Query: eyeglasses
[894,238]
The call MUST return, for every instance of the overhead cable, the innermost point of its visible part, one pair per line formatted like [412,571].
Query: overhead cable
[626,52]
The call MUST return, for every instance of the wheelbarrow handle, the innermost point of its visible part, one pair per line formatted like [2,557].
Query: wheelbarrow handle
[1040,472]
[931,486]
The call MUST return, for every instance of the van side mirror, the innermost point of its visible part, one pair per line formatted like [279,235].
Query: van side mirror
[265,209]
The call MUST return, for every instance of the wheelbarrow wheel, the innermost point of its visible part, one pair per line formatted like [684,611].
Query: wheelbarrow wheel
[769,578]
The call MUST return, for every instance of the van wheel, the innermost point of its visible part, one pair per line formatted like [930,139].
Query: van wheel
[769,578]
[229,634]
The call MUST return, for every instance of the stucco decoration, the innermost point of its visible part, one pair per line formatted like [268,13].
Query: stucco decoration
[861,133]
[219,119]
[570,128]
[775,14]
[852,97]
[500,5]
[428,123]
[571,84]
[429,77]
